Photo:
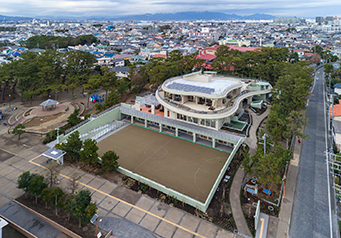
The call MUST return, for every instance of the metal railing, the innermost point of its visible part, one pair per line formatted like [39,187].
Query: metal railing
[184,126]
[108,129]
[76,126]
[220,111]
[93,131]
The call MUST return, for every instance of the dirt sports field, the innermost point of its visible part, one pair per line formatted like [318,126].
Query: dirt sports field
[186,167]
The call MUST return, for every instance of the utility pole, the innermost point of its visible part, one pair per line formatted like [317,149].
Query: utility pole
[331,98]
[264,141]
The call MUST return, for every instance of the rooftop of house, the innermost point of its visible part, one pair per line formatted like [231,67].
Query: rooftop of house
[206,57]
[336,110]
[337,85]
[120,69]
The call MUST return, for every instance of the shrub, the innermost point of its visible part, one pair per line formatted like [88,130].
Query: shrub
[143,187]
[73,119]
[99,107]
[86,116]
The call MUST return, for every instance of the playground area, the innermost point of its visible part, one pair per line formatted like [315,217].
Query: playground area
[181,165]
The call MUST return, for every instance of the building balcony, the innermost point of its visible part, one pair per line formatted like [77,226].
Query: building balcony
[193,109]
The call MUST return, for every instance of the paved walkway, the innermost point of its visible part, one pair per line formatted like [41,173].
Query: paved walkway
[251,141]
[237,211]
[113,201]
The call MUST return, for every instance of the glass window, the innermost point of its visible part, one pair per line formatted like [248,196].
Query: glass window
[213,123]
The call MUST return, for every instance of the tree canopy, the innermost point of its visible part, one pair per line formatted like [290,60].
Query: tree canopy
[19,130]
[89,153]
[53,42]
[109,161]
[73,146]
[80,206]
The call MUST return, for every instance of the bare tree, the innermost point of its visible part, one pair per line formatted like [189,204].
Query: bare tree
[51,173]
[73,182]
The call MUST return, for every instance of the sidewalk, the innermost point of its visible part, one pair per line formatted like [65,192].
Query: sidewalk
[113,201]
[251,141]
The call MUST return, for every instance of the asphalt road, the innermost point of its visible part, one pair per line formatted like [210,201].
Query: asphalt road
[310,215]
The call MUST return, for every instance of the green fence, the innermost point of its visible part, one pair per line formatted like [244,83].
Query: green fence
[170,192]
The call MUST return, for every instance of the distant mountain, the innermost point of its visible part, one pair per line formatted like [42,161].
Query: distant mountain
[10,18]
[258,16]
[154,17]
[194,16]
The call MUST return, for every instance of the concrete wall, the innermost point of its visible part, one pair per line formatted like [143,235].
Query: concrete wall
[337,90]
[337,138]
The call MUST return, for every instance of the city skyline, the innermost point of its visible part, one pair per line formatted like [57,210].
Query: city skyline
[116,8]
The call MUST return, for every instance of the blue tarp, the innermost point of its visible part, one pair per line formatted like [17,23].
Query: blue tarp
[13,53]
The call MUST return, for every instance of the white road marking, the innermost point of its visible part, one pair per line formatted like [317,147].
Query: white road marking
[326,134]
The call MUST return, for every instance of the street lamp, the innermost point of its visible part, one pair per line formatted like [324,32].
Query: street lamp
[264,142]
[41,122]
[9,100]
[264,139]
[58,135]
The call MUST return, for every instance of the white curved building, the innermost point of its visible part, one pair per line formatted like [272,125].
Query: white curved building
[207,99]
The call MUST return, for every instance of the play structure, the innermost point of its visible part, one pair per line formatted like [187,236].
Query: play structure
[95,98]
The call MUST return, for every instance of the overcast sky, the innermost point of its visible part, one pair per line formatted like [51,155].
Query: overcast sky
[82,8]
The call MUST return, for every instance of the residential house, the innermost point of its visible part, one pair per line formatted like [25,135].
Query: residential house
[117,63]
[337,89]
[121,72]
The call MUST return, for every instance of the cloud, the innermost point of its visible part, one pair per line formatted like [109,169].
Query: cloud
[114,8]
